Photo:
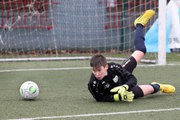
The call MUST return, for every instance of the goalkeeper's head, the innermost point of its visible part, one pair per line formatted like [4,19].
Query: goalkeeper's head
[99,66]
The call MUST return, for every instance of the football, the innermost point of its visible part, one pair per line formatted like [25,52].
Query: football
[29,90]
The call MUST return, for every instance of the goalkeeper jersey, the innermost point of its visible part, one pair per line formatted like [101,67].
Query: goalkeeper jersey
[116,76]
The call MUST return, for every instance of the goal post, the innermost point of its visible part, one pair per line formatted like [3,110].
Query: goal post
[162,32]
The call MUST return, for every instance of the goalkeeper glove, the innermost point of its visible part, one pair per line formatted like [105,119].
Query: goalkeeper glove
[120,89]
[126,96]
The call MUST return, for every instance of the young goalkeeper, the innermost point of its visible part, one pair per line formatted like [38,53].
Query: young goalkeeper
[111,82]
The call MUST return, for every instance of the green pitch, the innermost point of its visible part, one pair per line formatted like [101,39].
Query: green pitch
[64,94]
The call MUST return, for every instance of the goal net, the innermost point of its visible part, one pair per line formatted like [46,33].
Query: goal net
[50,29]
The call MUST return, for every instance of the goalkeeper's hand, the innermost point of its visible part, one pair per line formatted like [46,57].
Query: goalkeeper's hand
[126,96]
[120,89]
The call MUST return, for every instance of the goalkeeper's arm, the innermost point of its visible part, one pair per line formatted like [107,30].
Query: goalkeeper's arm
[99,96]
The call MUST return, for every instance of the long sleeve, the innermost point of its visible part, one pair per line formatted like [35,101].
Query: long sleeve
[129,78]
[124,76]
[95,87]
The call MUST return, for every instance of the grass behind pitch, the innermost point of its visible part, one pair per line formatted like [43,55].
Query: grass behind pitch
[64,92]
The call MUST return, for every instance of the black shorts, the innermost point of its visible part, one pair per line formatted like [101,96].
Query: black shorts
[137,92]
[129,64]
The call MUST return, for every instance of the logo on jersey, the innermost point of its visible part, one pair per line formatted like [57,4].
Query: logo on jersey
[94,83]
[115,79]
[106,86]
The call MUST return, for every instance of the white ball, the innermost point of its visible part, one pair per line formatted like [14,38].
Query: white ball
[29,90]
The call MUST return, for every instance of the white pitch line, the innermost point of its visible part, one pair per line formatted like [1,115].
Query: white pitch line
[43,69]
[68,68]
[101,114]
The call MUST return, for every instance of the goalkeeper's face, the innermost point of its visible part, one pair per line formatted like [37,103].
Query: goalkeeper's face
[100,72]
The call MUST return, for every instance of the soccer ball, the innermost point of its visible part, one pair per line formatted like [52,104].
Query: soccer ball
[29,90]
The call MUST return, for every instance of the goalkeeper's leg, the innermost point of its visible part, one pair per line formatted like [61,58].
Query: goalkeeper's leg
[164,88]
[144,90]
[140,48]
[139,23]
